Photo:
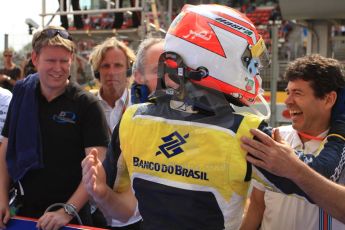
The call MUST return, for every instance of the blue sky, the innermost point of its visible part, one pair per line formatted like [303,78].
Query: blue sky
[12,19]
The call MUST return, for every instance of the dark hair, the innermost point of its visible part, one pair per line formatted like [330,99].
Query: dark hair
[29,68]
[324,74]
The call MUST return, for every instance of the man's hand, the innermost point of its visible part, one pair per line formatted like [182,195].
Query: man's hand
[4,213]
[53,220]
[4,77]
[94,177]
[273,155]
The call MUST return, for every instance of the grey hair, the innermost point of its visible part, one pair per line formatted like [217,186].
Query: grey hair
[139,63]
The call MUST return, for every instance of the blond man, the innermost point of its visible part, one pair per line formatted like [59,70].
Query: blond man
[51,126]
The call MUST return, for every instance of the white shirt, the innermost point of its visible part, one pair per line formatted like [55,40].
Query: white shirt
[5,98]
[113,115]
[287,212]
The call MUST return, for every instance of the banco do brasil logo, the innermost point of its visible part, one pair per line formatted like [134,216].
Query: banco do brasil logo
[172,144]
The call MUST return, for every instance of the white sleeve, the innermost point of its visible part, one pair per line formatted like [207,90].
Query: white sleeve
[258,185]
[5,98]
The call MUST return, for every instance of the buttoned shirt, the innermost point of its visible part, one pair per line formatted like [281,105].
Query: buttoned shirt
[114,114]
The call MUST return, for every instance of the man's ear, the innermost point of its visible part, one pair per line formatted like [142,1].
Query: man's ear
[139,78]
[34,58]
[331,98]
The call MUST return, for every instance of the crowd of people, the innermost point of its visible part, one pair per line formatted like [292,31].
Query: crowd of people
[105,21]
[160,146]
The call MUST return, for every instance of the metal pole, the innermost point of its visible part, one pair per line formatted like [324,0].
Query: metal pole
[43,12]
[169,13]
[275,73]
[155,15]
[6,41]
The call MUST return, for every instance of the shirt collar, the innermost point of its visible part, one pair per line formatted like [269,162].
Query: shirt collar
[296,142]
[122,100]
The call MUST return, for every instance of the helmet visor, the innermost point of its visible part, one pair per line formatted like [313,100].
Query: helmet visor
[259,51]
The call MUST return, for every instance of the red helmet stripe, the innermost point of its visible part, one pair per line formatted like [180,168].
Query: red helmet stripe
[213,83]
[207,40]
[192,33]
[232,19]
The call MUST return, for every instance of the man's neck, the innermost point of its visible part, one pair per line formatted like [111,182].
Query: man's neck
[304,136]
[110,97]
[51,94]
[9,65]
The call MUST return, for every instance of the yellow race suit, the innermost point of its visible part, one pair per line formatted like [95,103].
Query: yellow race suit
[187,170]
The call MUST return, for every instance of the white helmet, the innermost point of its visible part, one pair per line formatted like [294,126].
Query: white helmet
[220,47]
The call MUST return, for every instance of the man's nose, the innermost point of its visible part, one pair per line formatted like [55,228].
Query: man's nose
[57,65]
[289,99]
[113,71]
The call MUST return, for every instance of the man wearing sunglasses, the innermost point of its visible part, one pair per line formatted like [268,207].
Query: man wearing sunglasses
[51,125]
[10,73]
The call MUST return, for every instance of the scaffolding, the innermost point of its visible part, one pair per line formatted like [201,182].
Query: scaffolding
[155,17]
[152,24]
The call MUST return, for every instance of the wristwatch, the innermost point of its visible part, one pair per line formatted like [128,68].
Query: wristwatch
[70,209]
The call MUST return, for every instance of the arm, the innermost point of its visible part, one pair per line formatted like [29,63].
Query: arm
[59,218]
[271,155]
[329,161]
[4,186]
[328,195]
[119,205]
[4,77]
[255,213]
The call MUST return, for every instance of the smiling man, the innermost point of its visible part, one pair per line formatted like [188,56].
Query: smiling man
[50,127]
[313,82]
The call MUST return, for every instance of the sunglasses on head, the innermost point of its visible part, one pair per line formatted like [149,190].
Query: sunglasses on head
[50,33]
